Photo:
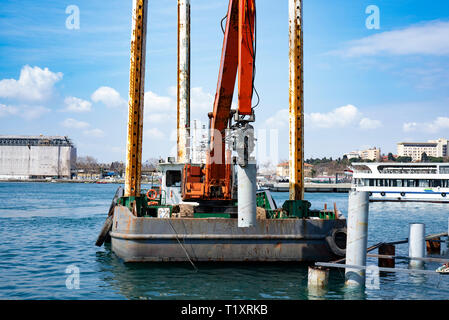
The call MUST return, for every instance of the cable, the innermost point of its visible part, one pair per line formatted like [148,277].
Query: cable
[221,23]
[187,254]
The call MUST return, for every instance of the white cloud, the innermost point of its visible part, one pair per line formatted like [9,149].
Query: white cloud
[201,100]
[431,38]
[118,150]
[96,133]
[34,84]
[440,123]
[154,133]
[155,103]
[339,117]
[160,109]
[278,120]
[409,126]
[367,123]
[33,112]
[74,124]
[109,97]
[173,135]
[24,111]
[161,113]
[7,110]
[77,105]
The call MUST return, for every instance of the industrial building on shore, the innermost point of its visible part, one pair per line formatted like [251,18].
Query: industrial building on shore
[36,157]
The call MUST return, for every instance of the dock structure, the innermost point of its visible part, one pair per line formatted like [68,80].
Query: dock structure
[296,101]
[358,267]
[136,99]
[416,262]
[183,84]
[312,187]
[328,187]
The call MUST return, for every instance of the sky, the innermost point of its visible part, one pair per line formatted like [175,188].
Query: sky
[370,80]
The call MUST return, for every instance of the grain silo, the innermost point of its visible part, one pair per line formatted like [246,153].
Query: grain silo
[36,157]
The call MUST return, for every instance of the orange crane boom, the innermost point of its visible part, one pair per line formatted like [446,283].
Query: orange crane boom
[214,180]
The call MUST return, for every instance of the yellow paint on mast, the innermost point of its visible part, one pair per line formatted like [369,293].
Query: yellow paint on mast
[136,101]
[296,101]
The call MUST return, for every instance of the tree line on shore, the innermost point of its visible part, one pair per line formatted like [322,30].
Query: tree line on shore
[89,164]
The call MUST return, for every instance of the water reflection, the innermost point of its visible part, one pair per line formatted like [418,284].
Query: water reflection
[354,292]
[211,281]
[316,293]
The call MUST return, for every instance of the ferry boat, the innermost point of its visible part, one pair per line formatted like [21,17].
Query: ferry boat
[422,182]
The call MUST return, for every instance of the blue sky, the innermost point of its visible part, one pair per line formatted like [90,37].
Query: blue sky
[363,87]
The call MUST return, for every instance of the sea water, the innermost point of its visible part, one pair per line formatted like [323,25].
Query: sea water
[48,231]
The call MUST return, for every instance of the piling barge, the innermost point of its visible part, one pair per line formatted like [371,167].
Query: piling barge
[212,211]
[165,231]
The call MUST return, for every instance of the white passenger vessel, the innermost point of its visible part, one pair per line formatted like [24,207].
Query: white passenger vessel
[389,181]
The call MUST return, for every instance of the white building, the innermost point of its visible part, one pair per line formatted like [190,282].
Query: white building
[352,155]
[368,154]
[25,157]
[432,148]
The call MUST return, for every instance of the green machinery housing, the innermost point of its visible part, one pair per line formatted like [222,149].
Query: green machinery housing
[144,207]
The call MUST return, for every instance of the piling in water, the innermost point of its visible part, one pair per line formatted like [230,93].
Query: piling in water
[446,249]
[417,243]
[387,249]
[318,277]
[357,237]
[433,247]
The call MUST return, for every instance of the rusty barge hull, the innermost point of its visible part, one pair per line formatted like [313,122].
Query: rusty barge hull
[136,239]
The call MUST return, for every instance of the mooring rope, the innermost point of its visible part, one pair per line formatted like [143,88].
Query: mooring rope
[187,254]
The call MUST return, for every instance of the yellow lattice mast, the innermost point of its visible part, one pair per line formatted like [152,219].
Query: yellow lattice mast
[136,102]
[296,101]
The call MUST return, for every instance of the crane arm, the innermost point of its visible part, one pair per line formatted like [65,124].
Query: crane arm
[238,53]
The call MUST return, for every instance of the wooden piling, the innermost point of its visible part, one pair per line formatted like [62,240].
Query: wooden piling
[433,247]
[387,249]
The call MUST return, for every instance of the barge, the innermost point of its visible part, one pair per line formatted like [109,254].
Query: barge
[212,211]
[167,230]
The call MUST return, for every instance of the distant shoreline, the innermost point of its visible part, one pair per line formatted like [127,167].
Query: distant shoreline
[71,181]
[61,181]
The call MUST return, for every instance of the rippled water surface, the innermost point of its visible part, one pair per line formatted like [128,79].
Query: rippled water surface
[46,227]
